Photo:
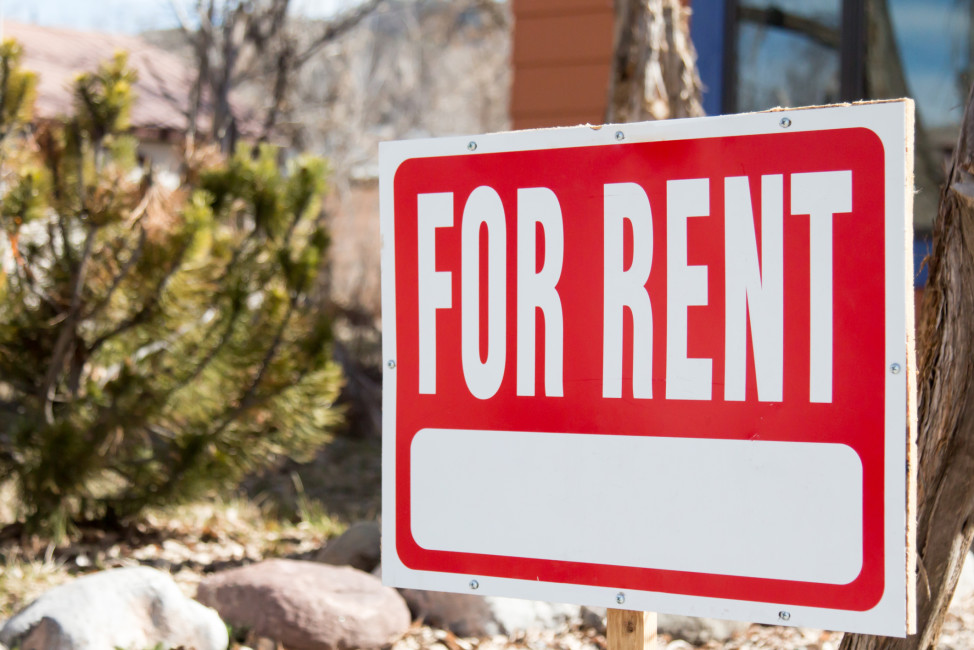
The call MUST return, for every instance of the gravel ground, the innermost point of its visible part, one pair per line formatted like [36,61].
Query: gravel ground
[756,637]
[957,634]
[195,540]
[205,539]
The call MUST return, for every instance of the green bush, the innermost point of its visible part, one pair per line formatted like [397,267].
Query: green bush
[154,344]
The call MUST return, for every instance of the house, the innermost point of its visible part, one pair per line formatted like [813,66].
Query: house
[162,92]
[561,56]
[757,54]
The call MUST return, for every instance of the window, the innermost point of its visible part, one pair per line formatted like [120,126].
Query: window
[786,54]
[757,54]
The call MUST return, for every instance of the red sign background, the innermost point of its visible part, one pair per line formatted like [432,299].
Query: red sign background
[855,416]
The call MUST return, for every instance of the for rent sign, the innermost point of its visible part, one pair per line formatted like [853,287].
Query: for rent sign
[662,366]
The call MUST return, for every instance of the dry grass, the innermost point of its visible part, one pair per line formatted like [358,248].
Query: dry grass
[8,503]
[185,541]
[23,579]
[289,512]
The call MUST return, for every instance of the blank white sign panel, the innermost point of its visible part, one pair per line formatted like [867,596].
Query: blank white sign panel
[543,501]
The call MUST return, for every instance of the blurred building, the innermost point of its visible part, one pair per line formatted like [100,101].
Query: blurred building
[757,54]
[162,92]
[561,55]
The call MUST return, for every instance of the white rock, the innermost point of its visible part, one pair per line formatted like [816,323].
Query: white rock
[698,631]
[679,644]
[358,547]
[594,618]
[514,614]
[134,607]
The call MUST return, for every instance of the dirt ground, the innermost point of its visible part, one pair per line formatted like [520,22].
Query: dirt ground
[295,511]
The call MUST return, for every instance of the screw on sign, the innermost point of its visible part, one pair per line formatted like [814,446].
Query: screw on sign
[705,317]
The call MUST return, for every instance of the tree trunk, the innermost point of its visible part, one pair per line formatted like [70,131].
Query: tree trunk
[945,500]
[654,73]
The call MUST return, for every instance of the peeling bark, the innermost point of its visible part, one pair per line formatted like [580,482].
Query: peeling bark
[945,345]
[654,73]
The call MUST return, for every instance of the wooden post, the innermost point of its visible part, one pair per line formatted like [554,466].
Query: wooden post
[627,630]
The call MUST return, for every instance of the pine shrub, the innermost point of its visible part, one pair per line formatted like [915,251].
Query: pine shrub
[154,344]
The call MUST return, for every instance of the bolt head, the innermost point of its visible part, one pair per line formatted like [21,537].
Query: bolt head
[784,616]
[785,122]
[620,135]
[471,146]
[895,368]
[392,364]
[474,584]
[620,598]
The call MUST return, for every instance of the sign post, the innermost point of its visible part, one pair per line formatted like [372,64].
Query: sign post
[665,364]
[627,630]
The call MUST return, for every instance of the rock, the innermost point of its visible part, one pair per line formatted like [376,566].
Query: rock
[468,615]
[513,614]
[680,644]
[263,643]
[462,614]
[698,631]
[593,618]
[358,547]
[308,605]
[134,607]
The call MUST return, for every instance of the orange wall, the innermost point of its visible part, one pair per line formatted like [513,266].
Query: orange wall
[561,59]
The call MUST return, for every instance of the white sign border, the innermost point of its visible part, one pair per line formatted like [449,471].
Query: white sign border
[892,122]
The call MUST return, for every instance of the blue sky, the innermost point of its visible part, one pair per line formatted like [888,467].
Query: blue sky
[125,16]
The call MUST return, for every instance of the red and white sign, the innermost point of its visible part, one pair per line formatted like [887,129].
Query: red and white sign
[657,366]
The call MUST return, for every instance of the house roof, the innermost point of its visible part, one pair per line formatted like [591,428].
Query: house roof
[57,55]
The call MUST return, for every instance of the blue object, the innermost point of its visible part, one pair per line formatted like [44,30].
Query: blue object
[707,33]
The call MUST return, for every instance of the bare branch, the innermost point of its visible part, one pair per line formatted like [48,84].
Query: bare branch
[134,256]
[248,398]
[212,353]
[68,332]
[774,17]
[147,308]
[339,26]
[185,24]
